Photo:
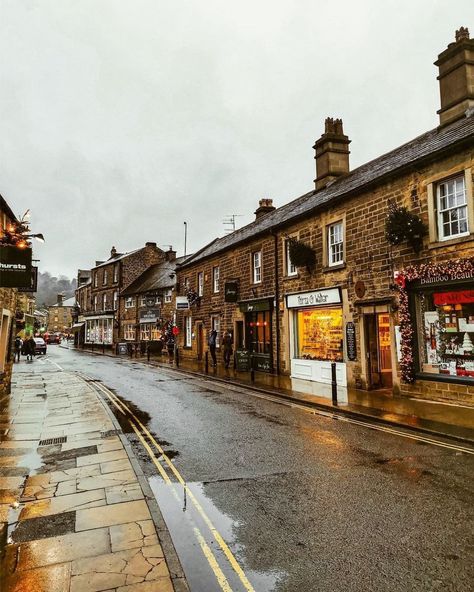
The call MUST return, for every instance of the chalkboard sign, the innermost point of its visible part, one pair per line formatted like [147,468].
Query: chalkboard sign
[123,349]
[242,360]
[261,362]
[351,344]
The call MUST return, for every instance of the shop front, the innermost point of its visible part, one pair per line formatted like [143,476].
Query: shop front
[99,329]
[257,334]
[150,322]
[316,335]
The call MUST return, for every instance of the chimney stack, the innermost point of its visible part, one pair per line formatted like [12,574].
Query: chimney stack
[170,255]
[113,252]
[265,206]
[60,299]
[456,78]
[332,153]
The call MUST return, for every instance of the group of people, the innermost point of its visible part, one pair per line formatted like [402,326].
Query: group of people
[25,347]
[227,343]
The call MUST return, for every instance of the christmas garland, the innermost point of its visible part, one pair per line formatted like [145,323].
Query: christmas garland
[452,270]
[301,255]
[193,297]
[15,233]
[401,225]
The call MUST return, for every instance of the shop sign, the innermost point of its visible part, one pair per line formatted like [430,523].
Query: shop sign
[242,360]
[182,303]
[255,305]
[149,316]
[351,344]
[15,267]
[460,297]
[261,362]
[436,279]
[316,298]
[150,301]
[34,282]
[231,292]
[123,349]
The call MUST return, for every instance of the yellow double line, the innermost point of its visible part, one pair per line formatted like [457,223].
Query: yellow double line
[143,433]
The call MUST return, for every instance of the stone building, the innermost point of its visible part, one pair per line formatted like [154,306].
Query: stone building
[98,300]
[318,281]
[60,315]
[148,303]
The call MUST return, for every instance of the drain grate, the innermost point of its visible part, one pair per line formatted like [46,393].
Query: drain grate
[110,433]
[50,441]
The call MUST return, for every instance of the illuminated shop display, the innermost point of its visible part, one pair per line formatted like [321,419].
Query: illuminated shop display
[99,330]
[319,334]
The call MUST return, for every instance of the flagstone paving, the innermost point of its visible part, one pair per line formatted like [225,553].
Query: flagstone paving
[76,514]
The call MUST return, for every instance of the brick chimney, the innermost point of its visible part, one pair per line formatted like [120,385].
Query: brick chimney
[60,299]
[332,153]
[456,78]
[170,255]
[113,252]
[265,206]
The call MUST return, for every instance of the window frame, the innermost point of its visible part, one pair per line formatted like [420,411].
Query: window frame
[104,301]
[216,324]
[116,273]
[168,298]
[200,283]
[288,264]
[105,277]
[257,271]
[215,279]
[329,228]
[129,302]
[440,212]
[188,330]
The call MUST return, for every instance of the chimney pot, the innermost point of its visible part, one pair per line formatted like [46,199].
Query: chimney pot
[456,78]
[113,252]
[332,153]
[265,206]
[170,255]
[150,244]
[60,298]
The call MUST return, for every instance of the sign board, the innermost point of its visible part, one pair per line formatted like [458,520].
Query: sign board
[242,360]
[261,362]
[34,282]
[182,303]
[255,305]
[359,289]
[15,267]
[150,301]
[351,344]
[149,316]
[175,330]
[231,292]
[123,349]
[315,298]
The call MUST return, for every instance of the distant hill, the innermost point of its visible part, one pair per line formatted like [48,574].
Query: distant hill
[50,286]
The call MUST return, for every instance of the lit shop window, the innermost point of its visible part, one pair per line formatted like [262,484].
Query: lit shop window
[452,209]
[258,332]
[129,332]
[319,334]
[445,332]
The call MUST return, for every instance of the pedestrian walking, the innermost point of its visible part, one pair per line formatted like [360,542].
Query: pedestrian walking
[212,343]
[17,348]
[28,348]
[227,343]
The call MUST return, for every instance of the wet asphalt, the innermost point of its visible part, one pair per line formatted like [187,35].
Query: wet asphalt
[304,502]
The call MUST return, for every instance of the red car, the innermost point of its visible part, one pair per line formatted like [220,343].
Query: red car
[52,338]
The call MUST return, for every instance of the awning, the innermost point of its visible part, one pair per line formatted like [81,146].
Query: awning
[77,327]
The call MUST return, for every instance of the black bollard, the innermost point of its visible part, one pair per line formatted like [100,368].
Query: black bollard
[333,383]
[148,353]
[252,375]
[206,360]
[177,357]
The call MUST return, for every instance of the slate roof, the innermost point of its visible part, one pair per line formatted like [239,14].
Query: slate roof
[67,302]
[117,257]
[4,207]
[156,277]
[422,147]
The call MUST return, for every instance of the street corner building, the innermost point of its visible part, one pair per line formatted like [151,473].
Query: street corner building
[372,270]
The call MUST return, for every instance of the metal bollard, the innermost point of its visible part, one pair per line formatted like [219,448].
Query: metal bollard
[148,354]
[177,357]
[206,358]
[252,375]
[333,383]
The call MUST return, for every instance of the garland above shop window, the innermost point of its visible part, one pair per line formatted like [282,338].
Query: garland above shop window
[457,269]
[301,255]
[401,225]
[193,298]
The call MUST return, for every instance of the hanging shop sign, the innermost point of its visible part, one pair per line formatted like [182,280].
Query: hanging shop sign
[255,305]
[150,301]
[150,316]
[15,267]
[231,291]
[460,297]
[359,289]
[351,343]
[182,303]
[34,282]
[315,298]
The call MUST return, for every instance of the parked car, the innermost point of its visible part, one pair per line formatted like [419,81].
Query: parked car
[40,346]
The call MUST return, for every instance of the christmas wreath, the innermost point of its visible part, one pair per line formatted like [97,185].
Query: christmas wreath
[193,297]
[301,255]
[401,225]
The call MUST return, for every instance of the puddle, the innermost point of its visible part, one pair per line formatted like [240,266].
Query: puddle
[123,420]
[183,518]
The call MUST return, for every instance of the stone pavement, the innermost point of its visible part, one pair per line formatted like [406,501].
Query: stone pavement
[73,514]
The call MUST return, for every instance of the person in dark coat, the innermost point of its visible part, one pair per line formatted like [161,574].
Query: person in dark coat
[28,348]
[212,343]
[17,348]
[227,343]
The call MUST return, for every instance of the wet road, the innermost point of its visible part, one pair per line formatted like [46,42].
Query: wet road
[302,502]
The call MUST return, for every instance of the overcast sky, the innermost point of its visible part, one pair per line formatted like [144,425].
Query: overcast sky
[121,119]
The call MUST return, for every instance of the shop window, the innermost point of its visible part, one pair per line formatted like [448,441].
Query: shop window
[335,244]
[291,269]
[257,267]
[149,332]
[200,283]
[129,302]
[129,332]
[258,332]
[188,328]
[215,279]
[216,325]
[445,331]
[451,203]
[319,334]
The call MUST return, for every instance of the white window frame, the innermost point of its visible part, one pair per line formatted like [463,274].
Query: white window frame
[129,332]
[168,296]
[335,243]
[456,207]
[104,302]
[215,279]
[115,299]
[216,324]
[188,330]
[257,267]
[143,301]
[186,284]
[130,302]
[96,278]
[116,270]
[291,270]
[95,303]
[105,277]
[200,283]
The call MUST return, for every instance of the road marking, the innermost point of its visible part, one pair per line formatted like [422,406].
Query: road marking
[222,580]
[223,545]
